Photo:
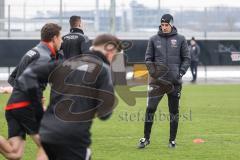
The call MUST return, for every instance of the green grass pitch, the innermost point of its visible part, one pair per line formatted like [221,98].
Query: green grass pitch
[210,112]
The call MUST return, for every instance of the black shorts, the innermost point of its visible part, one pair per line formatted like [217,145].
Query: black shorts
[66,152]
[23,121]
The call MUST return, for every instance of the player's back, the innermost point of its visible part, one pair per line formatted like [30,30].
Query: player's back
[75,43]
[78,87]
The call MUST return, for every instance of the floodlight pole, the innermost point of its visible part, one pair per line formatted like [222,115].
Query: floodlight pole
[113,17]
[24,17]
[159,10]
[9,20]
[61,12]
[2,14]
[96,18]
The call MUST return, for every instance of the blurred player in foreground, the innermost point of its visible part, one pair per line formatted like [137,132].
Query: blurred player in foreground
[81,89]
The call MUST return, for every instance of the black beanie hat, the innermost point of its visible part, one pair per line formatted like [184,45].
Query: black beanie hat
[167,18]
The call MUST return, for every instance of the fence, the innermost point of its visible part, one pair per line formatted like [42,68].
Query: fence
[213,52]
[132,20]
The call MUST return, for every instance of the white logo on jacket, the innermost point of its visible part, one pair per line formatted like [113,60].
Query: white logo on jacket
[158,44]
[31,53]
[173,43]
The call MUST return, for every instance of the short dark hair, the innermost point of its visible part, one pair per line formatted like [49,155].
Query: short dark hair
[73,21]
[105,39]
[50,30]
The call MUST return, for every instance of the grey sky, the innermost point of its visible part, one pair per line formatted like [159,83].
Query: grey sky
[71,5]
[192,3]
[149,3]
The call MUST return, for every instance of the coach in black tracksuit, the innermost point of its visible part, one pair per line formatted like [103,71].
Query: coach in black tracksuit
[167,59]
[81,88]
[75,42]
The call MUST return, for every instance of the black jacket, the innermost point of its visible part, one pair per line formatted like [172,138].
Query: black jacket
[195,52]
[167,56]
[75,43]
[81,88]
[28,58]
[39,55]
